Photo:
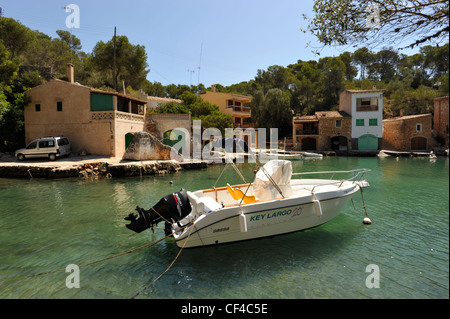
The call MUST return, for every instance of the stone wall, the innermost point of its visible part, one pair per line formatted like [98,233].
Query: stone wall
[398,132]
[441,118]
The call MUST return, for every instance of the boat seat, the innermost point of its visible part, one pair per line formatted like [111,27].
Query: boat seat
[237,194]
[202,205]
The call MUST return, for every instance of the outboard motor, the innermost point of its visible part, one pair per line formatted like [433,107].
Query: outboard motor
[171,208]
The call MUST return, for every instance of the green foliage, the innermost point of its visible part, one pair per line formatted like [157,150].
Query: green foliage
[172,108]
[272,110]
[131,61]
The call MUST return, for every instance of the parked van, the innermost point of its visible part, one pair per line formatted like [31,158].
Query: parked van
[51,147]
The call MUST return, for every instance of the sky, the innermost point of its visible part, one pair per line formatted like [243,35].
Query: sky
[188,41]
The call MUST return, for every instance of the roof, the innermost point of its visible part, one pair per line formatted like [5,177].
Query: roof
[306,118]
[91,89]
[332,114]
[118,94]
[408,117]
[365,91]
[319,115]
[237,97]
[163,99]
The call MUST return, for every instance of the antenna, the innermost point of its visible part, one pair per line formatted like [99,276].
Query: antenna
[191,71]
[200,63]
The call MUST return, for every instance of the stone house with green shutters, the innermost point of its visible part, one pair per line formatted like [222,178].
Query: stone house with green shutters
[366,110]
[103,123]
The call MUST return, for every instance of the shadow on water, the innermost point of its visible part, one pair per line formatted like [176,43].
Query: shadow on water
[241,264]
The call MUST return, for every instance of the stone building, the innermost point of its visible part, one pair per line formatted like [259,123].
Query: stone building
[102,123]
[441,119]
[322,131]
[408,133]
[233,104]
[366,110]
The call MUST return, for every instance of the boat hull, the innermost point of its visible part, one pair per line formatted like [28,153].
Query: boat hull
[265,220]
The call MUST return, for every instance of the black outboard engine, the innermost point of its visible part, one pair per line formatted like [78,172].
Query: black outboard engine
[171,208]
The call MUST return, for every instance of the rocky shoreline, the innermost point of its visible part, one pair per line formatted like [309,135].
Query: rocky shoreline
[95,169]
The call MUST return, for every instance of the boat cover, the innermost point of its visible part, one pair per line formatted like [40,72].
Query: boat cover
[281,172]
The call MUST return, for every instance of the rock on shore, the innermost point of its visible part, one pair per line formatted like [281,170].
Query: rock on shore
[145,146]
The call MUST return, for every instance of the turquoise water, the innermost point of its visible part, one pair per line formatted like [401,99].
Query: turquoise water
[48,224]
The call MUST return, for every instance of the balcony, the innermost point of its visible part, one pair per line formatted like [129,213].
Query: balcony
[116,115]
[366,108]
[245,125]
[307,132]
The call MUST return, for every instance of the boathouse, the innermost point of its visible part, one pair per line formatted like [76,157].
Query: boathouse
[99,122]
[323,131]
[408,133]
[366,110]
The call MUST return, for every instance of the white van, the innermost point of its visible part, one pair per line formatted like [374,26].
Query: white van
[51,147]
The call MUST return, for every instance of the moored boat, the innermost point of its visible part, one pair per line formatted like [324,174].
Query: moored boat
[273,204]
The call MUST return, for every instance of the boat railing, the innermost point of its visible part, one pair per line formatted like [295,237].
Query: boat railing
[357,175]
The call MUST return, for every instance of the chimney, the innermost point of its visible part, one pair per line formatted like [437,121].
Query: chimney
[213,88]
[70,73]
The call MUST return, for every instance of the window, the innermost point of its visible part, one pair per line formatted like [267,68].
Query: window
[373,122]
[63,141]
[367,104]
[32,145]
[101,102]
[37,107]
[59,106]
[338,123]
[419,127]
[360,122]
[46,143]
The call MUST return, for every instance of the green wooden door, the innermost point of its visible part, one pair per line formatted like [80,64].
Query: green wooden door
[368,142]
[128,138]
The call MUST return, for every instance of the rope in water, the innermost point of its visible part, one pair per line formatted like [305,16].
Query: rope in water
[170,266]
[103,259]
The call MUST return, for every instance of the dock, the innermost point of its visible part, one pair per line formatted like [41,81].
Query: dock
[91,167]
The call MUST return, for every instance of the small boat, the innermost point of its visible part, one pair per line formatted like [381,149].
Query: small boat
[265,156]
[273,204]
[309,155]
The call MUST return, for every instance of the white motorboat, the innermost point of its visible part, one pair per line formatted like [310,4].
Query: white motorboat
[273,204]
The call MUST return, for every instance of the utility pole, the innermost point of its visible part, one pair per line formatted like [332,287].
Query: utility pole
[114,62]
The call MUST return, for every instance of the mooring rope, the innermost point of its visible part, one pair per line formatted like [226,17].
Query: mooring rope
[100,260]
[170,266]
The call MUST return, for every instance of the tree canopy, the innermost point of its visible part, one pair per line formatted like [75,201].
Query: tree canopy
[375,22]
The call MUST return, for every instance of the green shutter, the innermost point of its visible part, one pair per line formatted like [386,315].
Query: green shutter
[373,122]
[101,102]
[360,122]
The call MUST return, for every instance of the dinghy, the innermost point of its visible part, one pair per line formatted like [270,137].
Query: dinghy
[276,202]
